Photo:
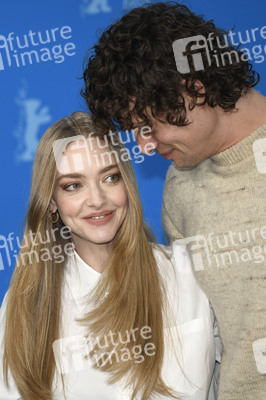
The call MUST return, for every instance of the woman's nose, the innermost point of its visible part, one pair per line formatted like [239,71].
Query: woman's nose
[95,197]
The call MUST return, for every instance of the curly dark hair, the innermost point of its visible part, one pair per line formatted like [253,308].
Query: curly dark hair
[133,67]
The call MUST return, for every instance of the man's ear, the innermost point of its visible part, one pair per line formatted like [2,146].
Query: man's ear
[191,101]
[200,87]
[53,206]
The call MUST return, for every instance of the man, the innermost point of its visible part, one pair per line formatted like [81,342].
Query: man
[165,67]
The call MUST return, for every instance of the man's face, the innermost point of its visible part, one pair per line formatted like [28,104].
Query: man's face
[188,145]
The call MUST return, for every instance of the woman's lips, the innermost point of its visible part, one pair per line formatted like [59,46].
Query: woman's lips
[99,219]
[168,154]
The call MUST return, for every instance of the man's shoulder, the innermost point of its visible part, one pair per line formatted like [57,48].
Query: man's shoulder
[181,178]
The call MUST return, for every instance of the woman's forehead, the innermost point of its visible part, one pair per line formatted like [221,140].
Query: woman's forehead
[83,153]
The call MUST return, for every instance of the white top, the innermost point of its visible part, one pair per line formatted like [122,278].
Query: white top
[191,331]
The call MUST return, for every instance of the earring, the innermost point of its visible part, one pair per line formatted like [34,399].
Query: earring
[53,217]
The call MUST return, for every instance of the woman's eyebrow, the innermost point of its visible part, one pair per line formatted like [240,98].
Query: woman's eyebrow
[76,175]
[73,176]
[106,169]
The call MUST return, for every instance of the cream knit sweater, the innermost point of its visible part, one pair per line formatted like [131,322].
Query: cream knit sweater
[222,202]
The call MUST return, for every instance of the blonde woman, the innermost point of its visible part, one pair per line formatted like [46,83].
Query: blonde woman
[94,310]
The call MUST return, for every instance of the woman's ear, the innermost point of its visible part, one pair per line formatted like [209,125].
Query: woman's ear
[53,206]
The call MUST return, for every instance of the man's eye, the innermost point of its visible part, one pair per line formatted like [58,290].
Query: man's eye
[147,135]
[72,187]
[113,178]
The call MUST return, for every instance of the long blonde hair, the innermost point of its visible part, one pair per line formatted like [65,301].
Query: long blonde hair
[136,293]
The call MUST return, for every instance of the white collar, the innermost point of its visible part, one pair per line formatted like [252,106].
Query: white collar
[81,279]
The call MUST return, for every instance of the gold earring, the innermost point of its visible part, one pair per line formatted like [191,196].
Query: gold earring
[53,217]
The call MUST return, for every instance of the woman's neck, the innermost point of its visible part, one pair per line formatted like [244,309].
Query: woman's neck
[95,255]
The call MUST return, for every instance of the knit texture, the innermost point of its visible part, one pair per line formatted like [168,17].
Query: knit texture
[220,208]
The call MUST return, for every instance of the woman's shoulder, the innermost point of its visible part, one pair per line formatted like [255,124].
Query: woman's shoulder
[176,255]
[178,277]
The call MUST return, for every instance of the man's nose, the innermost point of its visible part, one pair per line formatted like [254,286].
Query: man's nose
[147,143]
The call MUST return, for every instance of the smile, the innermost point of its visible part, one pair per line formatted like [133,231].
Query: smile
[98,219]
[168,154]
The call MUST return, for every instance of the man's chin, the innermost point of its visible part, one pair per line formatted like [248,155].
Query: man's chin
[186,162]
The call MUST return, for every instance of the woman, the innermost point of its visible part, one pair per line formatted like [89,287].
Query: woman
[94,310]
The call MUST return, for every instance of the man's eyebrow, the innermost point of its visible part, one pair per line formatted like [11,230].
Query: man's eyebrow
[141,125]
[137,126]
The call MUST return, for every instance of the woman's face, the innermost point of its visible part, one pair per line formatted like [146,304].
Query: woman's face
[90,194]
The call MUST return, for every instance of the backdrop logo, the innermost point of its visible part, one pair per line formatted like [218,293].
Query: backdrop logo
[95,7]
[35,47]
[32,115]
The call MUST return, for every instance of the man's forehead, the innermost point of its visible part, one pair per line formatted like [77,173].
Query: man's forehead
[137,121]
[150,122]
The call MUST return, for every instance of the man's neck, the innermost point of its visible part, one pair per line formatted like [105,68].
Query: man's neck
[249,115]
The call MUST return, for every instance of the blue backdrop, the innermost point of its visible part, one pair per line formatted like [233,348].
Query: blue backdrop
[42,48]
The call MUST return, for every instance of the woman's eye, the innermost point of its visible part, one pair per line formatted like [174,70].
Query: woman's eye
[72,187]
[113,178]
